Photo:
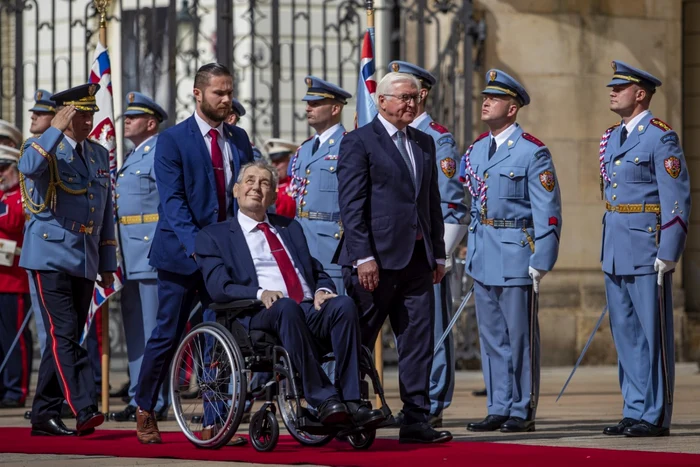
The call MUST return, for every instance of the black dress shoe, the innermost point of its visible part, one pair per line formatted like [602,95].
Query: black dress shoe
[422,433]
[88,418]
[333,412]
[482,393]
[619,429]
[126,415]
[364,416]
[490,423]
[645,429]
[52,427]
[517,425]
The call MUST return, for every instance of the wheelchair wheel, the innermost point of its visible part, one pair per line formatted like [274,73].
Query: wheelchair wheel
[287,403]
[362,440]
[210,352]
[264,430]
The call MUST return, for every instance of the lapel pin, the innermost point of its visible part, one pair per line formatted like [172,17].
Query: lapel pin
[510,142]
[146,149]
[230,135]
[640,127]
[331,141]
[92,161]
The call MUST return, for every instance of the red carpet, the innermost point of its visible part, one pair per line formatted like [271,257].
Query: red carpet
[119,443]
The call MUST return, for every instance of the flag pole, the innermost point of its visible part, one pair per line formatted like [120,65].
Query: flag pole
[101,7]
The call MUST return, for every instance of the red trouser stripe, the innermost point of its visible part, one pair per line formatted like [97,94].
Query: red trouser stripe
[24,379]
[54,347]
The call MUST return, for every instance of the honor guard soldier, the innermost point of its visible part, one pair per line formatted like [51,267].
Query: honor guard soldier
[68,241]
[453,212]
[514,240]
[10,135]
[14,287]
[645,183]
[237,111]
[137,211]
[314,183]
[280,152]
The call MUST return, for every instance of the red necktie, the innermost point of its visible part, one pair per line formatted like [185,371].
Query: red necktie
[217,160]
[291,280]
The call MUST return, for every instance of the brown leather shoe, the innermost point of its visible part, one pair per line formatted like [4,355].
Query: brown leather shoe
[147,427]
[211,431]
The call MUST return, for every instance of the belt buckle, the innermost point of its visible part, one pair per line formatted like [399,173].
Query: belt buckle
[85,230]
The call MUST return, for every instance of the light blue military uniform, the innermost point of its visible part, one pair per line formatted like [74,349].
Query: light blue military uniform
[42,103]
[515,224]
[647,192]
[239,110]
[137,211]
[314,184]
[453,211]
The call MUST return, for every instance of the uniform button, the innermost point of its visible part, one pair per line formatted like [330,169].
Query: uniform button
[636,160]
[614,197]
[216,211]
[138,172]
[92,209]
[471,229]
[511,174]
[307,181]
[308,171]
[306,192]
[614,185]
[332,169]
[116,196]
[303,203]
[121,175]
[89,184]
[486,175]
[45,235]
[92,196]
[145,239]
[522,242]
[336,235]
[614,174]
[91,222]
[649,229]
[617,162]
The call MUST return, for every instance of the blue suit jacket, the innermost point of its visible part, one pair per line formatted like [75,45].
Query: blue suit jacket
[649,168]
[185,180]
[227,266]
[137,195]
[379,207]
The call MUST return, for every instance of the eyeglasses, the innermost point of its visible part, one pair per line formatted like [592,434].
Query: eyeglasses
[406,98]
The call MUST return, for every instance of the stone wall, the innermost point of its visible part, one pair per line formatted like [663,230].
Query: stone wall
[561,51]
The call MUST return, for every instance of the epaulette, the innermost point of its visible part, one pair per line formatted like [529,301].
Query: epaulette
[660,124]
[439,128]
[613,127]
[533,140]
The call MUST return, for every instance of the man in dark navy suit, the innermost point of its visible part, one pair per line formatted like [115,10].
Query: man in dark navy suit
[256,256]
[393,250]
[196,163]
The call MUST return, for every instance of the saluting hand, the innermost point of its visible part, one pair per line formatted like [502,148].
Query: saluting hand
[270,296]
[368,274]
[63,117]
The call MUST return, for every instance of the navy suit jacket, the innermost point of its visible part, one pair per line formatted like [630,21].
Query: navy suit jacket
[227,266]
[187,188]
[381,211]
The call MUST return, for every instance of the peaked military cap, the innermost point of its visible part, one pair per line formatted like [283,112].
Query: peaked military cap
[424,76]
[319,89]
[626,74]
[237,107]
[43,102]
[8,130]
[140,104]
[500,82]
[8,155]
[82,97]
[278,148]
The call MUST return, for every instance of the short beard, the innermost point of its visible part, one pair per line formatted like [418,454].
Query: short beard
[211,114]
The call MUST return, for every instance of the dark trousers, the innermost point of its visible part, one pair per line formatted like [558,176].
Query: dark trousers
[307,334]
[406,297]
[176,294]
[14,384]
[64,372]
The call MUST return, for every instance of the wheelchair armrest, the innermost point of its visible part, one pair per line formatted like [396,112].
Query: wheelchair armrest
[236,305]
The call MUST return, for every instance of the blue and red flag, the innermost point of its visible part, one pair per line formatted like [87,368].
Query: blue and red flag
[367,83]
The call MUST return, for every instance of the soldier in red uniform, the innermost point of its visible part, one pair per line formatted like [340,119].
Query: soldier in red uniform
[14,287]
[280,152]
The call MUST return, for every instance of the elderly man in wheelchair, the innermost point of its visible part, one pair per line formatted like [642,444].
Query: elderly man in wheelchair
[258,270]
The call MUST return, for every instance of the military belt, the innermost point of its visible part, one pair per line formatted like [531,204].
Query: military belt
[507,223]
[138,219]
[77,227]
[319,216]
[632,208]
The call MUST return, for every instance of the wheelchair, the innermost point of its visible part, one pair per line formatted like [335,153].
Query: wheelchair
[224,356]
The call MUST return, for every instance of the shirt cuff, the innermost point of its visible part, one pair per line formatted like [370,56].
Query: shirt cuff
[259,293]
[363,261]
[440,261]
[323,289]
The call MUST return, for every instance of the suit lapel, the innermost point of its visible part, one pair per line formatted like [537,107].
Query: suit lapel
[136,156]
[200,145]
[389,147]
[417,158]
[240,246]
[71,155]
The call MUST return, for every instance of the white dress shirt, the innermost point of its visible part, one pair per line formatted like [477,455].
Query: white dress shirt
[204,128]
[266,267]
[503,136]
[392,130]
[632,124]
[73,143]
[325,136]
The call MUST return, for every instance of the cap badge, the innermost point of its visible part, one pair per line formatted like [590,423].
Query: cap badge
[492,75]
[395,67]
[92,89]
[309,82]
[614,66]
[39,94]
[131,98]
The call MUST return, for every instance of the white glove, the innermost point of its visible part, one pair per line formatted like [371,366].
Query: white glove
[454,233]
[536,275]
[662,267]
